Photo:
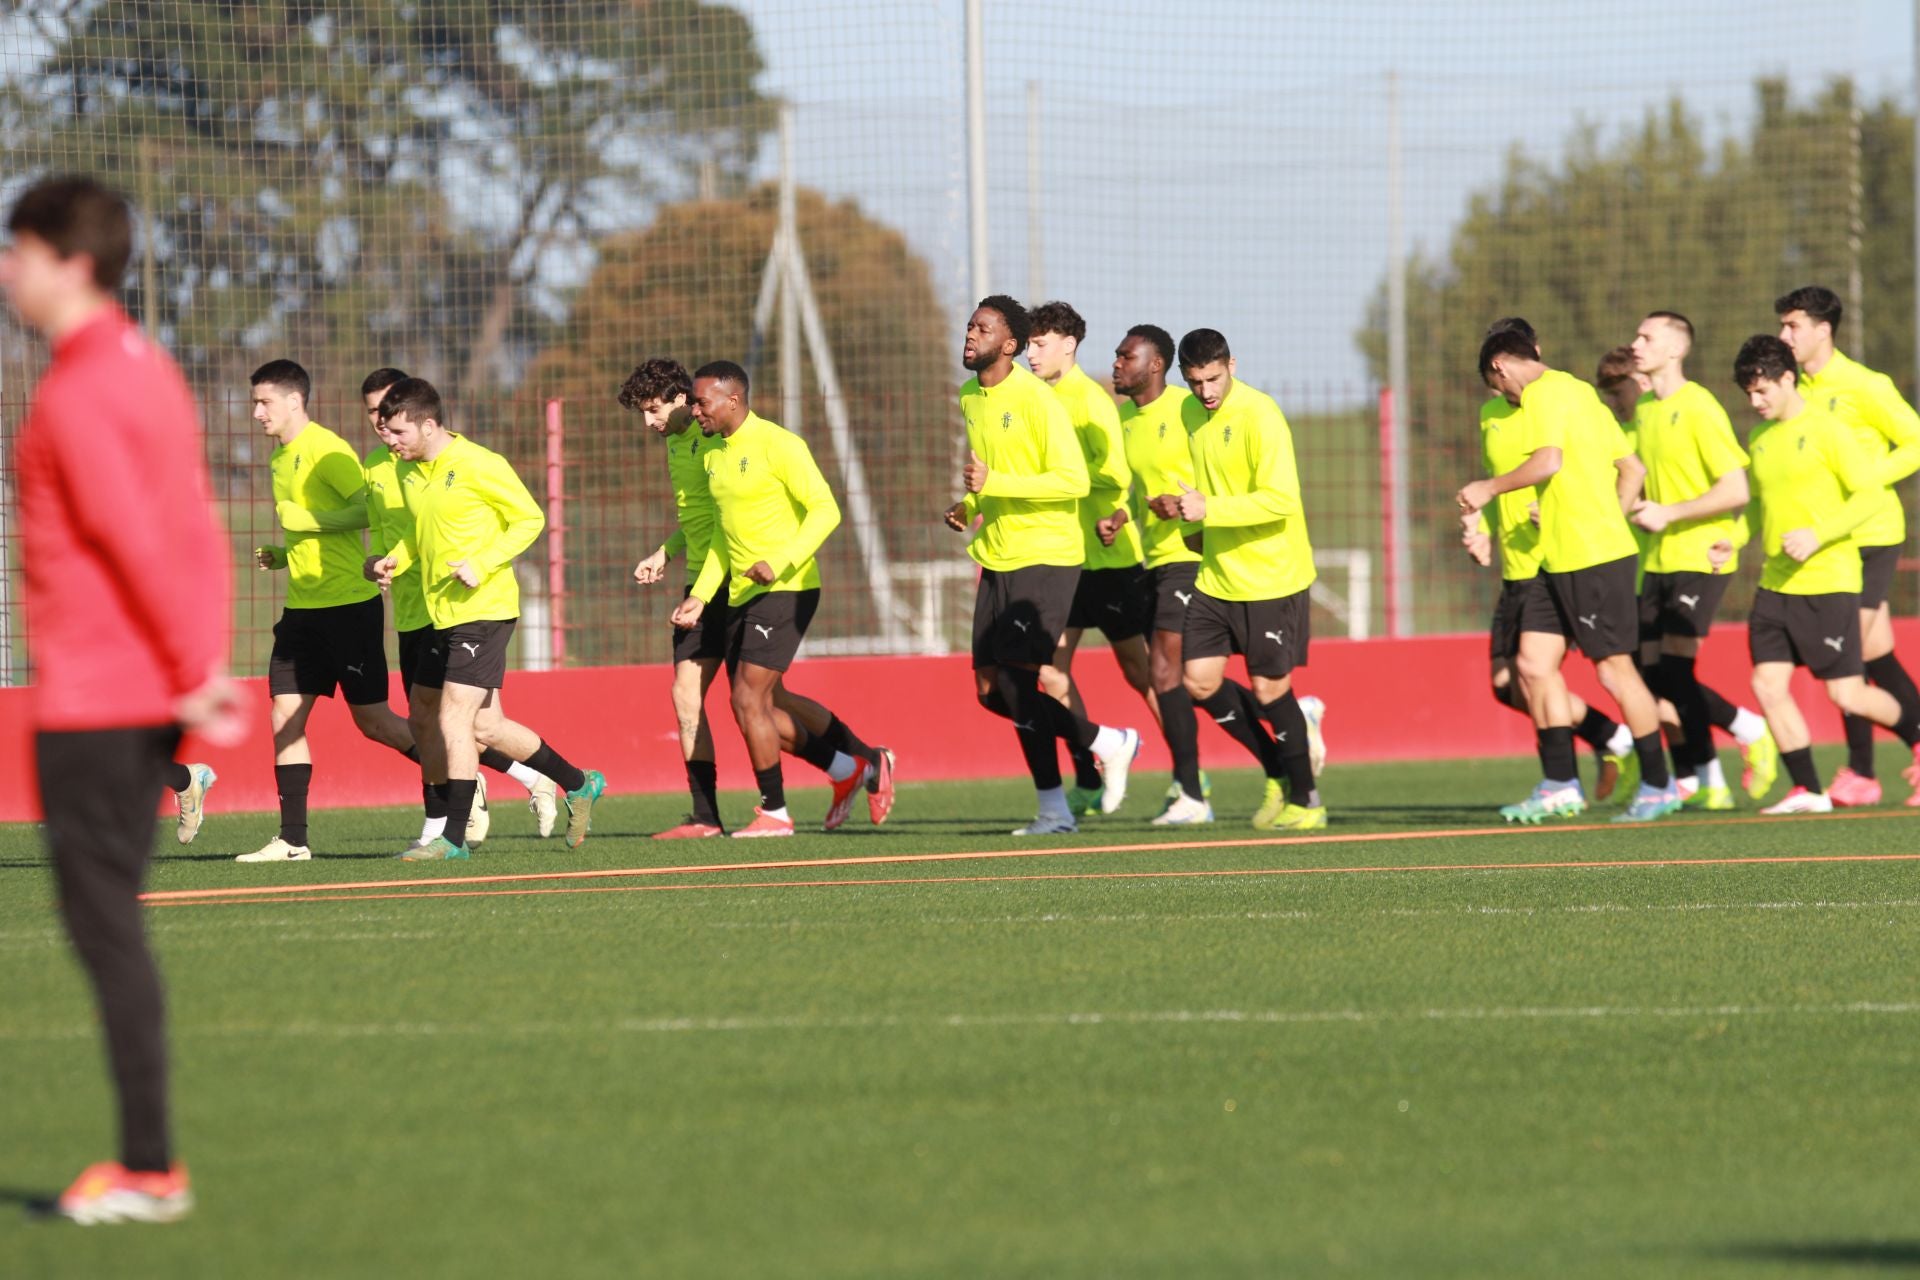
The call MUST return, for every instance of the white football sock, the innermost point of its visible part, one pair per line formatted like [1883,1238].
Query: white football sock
[524,776]
[780,813]
[1053,801]
[433,827]
[1748,728]
[1108,741]
[1712,775]
[1621,742]
[842,767]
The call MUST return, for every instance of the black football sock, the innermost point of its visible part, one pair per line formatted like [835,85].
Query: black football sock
[703,784]
[495,759]
[1232,707]
[1859,744]
[842,738]
[1290,732]
[410,751]
[292,781]
[1596,729]
[1720,712]
[1557,763]
[773,788]
[1086,773]
[1887,672]
[433,799]
[460,797]
[1182,731]
[178,777]
[1021,690]
[1653,761]
[548,761]
[1696,722]
[1800,769]
[814,749]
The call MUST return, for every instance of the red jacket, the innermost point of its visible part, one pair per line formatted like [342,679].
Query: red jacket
[129,588]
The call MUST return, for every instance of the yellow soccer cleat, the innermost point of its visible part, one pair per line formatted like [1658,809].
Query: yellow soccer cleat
[1271,806]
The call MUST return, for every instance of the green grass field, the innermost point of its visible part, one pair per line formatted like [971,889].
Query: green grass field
[1361,1055]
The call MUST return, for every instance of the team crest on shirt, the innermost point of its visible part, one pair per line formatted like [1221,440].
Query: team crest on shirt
[743,466]
[1833,403]
[450,476]
[1006,420]
[1163,431]
[1226,435]
[1674,421]
[297,460]
[1803,443]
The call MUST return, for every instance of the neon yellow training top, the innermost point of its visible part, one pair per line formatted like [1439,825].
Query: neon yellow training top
[1156,439]
[1254,536]
[320,499]
[1581,523]
[469,504]
[1812,472]
[1096,421]
[772,504]
[1507,440]
[390,524]
[692,502]
[1687,443]
[1036,474]
[1887,428]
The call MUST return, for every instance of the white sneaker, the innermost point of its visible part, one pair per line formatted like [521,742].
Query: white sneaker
[544,802]
[480,818]
[277,850]
[1049,824]
[1184,812]
[193,802]
[1113,771]
[1801,800]
[1315,711]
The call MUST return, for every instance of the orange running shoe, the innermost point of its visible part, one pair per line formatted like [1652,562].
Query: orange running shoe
[691,829]
[762,825]
[843,793]
[111,1192]
[880,787]
[1851,791]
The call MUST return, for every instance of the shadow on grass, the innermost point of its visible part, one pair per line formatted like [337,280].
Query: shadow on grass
[36,1202]
[1890,1255]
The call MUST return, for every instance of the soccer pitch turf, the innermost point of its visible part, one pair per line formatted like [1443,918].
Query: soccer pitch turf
[1420,1045]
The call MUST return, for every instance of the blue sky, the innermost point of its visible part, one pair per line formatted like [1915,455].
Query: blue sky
[1228,167]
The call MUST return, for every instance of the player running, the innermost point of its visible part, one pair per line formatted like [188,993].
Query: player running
[660,390]
[1817,482]
[331,634]
[1024,477]
[1256,567]
[472,516]
[1889,431]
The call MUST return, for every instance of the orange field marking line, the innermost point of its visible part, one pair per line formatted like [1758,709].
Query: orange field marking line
[1056,851]
[1616,864]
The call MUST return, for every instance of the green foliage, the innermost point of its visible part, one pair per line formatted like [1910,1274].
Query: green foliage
[371,182]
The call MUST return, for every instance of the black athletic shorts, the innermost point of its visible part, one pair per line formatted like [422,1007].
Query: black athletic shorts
[1877,567]
[1273,634]
[1018,614]
[1820,633]
[1172,590]
[1598,608]
[1524,605]
[471,653]
[709,638]
[342,645]
[1113,601]
[414,646]
[767,630]
[1680,604]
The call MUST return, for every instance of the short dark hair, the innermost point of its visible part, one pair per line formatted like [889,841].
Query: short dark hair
[1764,355]
[1514,324]
[1506,342]
[726,371]
[1818,301]
[75,215]
[415,398]
[380,380]
[1675,319]
[286,375]
[1061,318]
[659,378]
[1162,340]
[1615,366]
[1019,323]
[1203,347]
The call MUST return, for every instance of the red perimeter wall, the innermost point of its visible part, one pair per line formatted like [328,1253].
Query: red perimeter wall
[1418,699]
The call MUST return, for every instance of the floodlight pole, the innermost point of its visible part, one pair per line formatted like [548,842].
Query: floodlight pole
[978,275]
[787,248]
[1399,532]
